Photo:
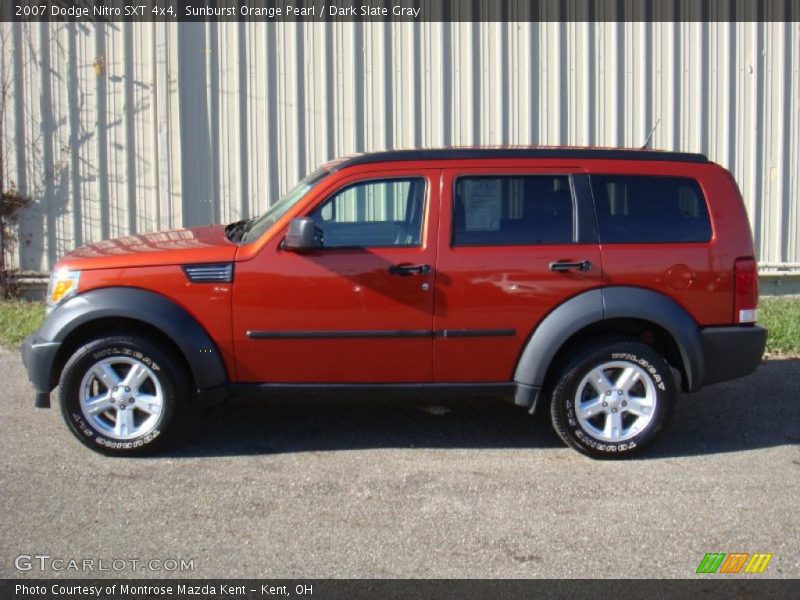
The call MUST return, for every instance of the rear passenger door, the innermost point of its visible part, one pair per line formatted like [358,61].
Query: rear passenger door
[514,243]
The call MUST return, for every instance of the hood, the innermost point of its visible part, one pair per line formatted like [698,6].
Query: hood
[177,246]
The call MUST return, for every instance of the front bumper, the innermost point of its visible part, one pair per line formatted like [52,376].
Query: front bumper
[731,352]
[38,356]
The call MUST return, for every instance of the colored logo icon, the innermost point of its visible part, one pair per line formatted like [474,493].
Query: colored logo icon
[736,562]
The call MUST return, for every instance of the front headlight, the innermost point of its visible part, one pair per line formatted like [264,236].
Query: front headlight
[63,284]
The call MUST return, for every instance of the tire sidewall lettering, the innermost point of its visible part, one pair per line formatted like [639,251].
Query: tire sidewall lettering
[82,425]
[127,444]
[128,353]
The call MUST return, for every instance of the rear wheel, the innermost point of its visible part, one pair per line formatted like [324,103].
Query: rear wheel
[122,395]
[612,398]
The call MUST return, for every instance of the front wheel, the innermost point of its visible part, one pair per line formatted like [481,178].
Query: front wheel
[121,395]
[612,399]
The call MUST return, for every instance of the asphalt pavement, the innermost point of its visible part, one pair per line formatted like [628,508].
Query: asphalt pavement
[379,488]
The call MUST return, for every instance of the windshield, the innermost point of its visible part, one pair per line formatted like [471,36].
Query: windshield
[280,208]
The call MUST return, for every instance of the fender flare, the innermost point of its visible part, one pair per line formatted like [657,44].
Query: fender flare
[200,351]
[648,305]
[601,304]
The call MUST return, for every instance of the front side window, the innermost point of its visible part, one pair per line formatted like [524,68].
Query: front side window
[376,213]
[640,209]
[512,210]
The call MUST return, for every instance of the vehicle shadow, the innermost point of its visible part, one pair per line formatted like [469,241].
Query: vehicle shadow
[759,411]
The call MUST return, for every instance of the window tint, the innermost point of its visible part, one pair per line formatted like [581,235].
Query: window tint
[512,210]
[387,212]
[647,209]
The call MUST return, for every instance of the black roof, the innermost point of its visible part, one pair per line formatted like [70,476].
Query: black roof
[516,152]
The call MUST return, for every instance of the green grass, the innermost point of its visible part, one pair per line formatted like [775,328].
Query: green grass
[18,318]
[781,316]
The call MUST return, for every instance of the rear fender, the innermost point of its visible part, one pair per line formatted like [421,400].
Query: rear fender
[594,306]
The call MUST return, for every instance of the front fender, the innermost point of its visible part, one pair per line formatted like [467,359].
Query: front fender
[157,311]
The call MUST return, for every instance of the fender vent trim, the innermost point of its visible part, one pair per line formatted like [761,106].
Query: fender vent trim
[209,272]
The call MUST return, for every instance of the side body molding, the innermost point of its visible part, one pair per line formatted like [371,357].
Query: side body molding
[196,345]
[597,305]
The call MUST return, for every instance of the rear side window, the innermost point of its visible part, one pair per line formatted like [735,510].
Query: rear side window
[635,209]
[512,210]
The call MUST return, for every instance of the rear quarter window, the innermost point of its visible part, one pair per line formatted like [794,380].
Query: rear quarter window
[640,209]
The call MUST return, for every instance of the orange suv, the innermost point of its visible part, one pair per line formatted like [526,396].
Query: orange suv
[598,281]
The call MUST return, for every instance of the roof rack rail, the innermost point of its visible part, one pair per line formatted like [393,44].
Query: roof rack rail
[464,153]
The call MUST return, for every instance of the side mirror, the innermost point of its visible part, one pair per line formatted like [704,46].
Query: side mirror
[301,235]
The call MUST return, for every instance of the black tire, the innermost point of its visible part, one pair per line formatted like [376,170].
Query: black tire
[583,434]
[168,372]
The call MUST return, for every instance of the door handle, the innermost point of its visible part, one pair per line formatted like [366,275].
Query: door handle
[404,270]
[561,267]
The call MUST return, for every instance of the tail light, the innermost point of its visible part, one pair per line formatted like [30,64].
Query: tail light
[745,290]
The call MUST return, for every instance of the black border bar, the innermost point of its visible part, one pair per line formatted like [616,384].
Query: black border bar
[401,10]
[706,587]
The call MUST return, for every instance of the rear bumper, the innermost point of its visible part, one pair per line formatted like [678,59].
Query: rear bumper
[38,356]
[731,352]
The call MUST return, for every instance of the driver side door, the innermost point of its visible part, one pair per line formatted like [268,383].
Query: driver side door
[358,308]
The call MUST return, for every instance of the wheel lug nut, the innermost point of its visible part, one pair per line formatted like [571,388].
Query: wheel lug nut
[605,403]
[112,401]
[127,389]
[613,410]
[624,403]
[619,392]
[607,393]
[115,389]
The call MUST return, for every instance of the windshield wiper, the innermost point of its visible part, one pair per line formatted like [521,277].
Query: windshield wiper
[235,231]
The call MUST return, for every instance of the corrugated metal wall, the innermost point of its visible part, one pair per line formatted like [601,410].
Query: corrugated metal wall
[120,128]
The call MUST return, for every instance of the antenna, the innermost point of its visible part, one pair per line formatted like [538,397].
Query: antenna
[650,135]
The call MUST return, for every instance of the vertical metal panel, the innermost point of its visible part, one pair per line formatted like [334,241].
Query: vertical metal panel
[121,128]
